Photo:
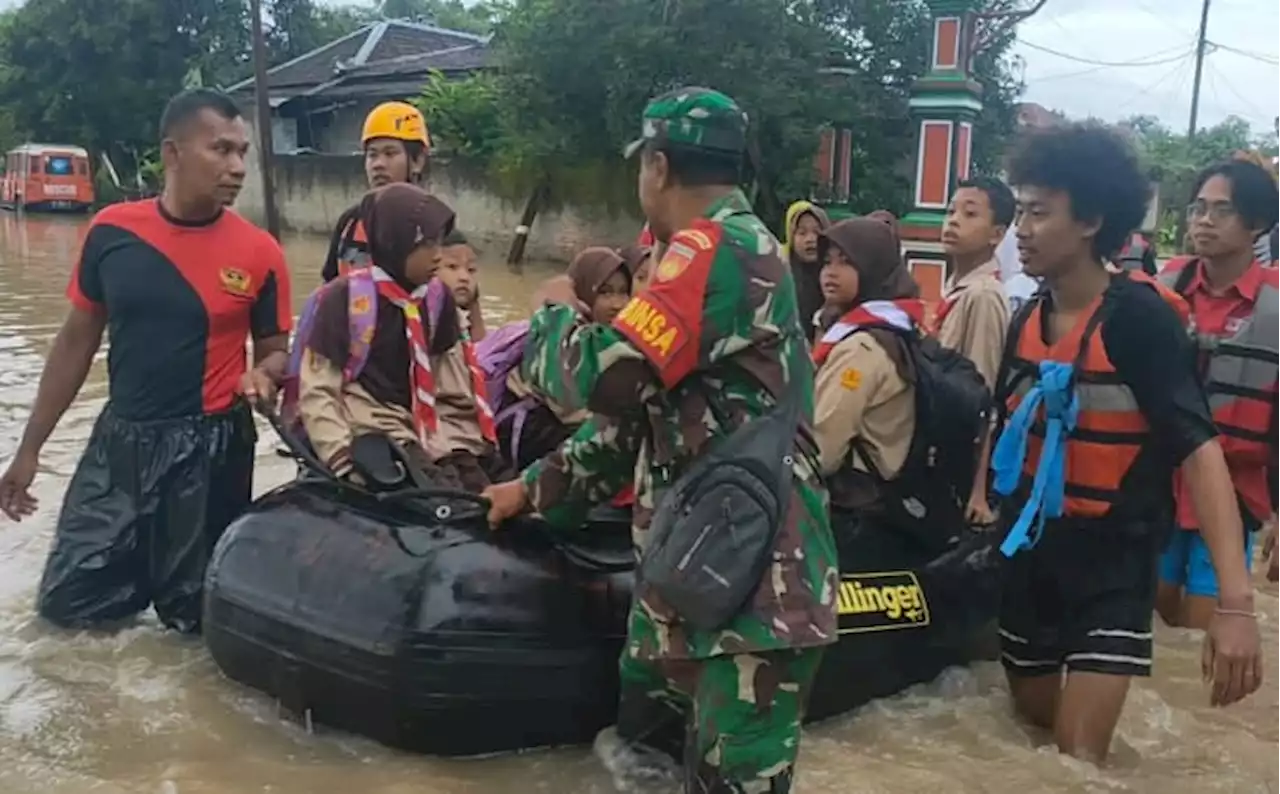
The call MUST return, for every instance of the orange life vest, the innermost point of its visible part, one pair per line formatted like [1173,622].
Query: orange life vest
[1110,429]
[1241,370]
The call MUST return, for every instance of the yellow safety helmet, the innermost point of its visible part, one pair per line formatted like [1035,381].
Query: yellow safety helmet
[398,120]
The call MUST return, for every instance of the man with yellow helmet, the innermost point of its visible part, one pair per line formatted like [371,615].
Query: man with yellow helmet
[396,149]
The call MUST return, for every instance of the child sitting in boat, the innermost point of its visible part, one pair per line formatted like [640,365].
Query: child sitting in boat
[458,272]
[638,258]
[384,352]
[532,424]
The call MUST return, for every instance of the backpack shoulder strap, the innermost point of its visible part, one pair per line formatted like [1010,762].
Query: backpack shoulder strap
[342,238]
[1185,277]
[1001,388]
[362,319]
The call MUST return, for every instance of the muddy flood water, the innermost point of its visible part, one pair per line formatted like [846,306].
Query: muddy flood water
[146,712]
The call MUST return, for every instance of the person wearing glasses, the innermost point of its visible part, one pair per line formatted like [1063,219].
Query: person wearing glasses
[1233,299]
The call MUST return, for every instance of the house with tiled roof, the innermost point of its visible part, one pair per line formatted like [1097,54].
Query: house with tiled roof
[319,100]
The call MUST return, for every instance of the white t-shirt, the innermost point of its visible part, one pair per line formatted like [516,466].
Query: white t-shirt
[1018,286]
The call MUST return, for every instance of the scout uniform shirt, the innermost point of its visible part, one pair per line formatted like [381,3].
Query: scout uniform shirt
[859,394]
[335,411]
[690,359]
[973,318]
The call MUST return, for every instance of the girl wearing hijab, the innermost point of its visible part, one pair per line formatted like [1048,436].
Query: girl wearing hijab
[415,382]
[533,424]
[638,259]
[803,222]
[865,394]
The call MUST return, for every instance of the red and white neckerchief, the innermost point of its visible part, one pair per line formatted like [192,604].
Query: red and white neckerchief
[422,381]
[905,314]
[479,392]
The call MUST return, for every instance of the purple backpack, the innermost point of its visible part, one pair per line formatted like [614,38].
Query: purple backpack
[500,352]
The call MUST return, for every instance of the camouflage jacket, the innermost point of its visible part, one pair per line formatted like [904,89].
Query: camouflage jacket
[689,359]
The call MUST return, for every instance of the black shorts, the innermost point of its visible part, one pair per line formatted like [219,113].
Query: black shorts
[1082,598]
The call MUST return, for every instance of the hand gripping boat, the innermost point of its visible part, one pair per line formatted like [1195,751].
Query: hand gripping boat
[400,616]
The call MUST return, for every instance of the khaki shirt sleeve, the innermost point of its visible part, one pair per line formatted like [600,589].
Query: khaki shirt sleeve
[852,375]
[320,406]
[981,319]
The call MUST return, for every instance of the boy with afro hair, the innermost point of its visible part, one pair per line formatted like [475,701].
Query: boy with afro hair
[1102,401]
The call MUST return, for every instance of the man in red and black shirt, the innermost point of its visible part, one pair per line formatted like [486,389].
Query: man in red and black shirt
[180,282]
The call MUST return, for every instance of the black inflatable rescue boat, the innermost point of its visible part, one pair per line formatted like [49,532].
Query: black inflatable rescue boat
[401,617]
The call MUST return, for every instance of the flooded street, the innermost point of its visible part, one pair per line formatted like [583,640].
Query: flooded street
[146,712]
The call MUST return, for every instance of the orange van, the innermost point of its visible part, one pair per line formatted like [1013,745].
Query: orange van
[47,177]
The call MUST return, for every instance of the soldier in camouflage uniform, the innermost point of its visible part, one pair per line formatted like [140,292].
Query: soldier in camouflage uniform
[703,349]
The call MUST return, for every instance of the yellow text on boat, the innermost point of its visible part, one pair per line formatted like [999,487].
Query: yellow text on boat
[881,601]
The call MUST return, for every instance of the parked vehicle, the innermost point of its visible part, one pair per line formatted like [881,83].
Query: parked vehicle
[47,177]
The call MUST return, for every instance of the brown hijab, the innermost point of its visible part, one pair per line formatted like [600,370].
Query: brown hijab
[886,217]
[872,246]
[634,256]
[397,220]
[591,268]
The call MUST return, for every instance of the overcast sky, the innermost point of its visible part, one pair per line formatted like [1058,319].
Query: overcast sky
[1162,33]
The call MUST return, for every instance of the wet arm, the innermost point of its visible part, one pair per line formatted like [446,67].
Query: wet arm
[1218,514]
[323,414]
[64,372]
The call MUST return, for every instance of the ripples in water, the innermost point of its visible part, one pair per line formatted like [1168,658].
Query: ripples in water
[145,712]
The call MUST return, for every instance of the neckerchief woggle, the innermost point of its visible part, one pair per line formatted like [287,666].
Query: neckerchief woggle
[1054,389]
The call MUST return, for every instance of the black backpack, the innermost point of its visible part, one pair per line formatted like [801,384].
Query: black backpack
[953,407]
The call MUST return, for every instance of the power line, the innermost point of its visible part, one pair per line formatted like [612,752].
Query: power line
[1159,61]
[1267,59]
[1219,79]
[1151,87]
[1092,62]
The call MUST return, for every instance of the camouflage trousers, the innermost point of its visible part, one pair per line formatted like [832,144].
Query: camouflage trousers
[734,720]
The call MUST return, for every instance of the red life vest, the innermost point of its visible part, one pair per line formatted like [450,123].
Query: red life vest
[1240,369]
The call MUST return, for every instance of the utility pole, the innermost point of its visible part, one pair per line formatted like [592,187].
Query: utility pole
[1201,44]
[261,91]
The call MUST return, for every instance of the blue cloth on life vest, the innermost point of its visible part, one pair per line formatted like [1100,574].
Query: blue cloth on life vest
[1055,390]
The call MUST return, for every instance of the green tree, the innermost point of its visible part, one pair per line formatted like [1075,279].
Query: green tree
[575,75]
[296,27]
[883,49]
[477,17]
[97,72]
[465,115]
[1174,161]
